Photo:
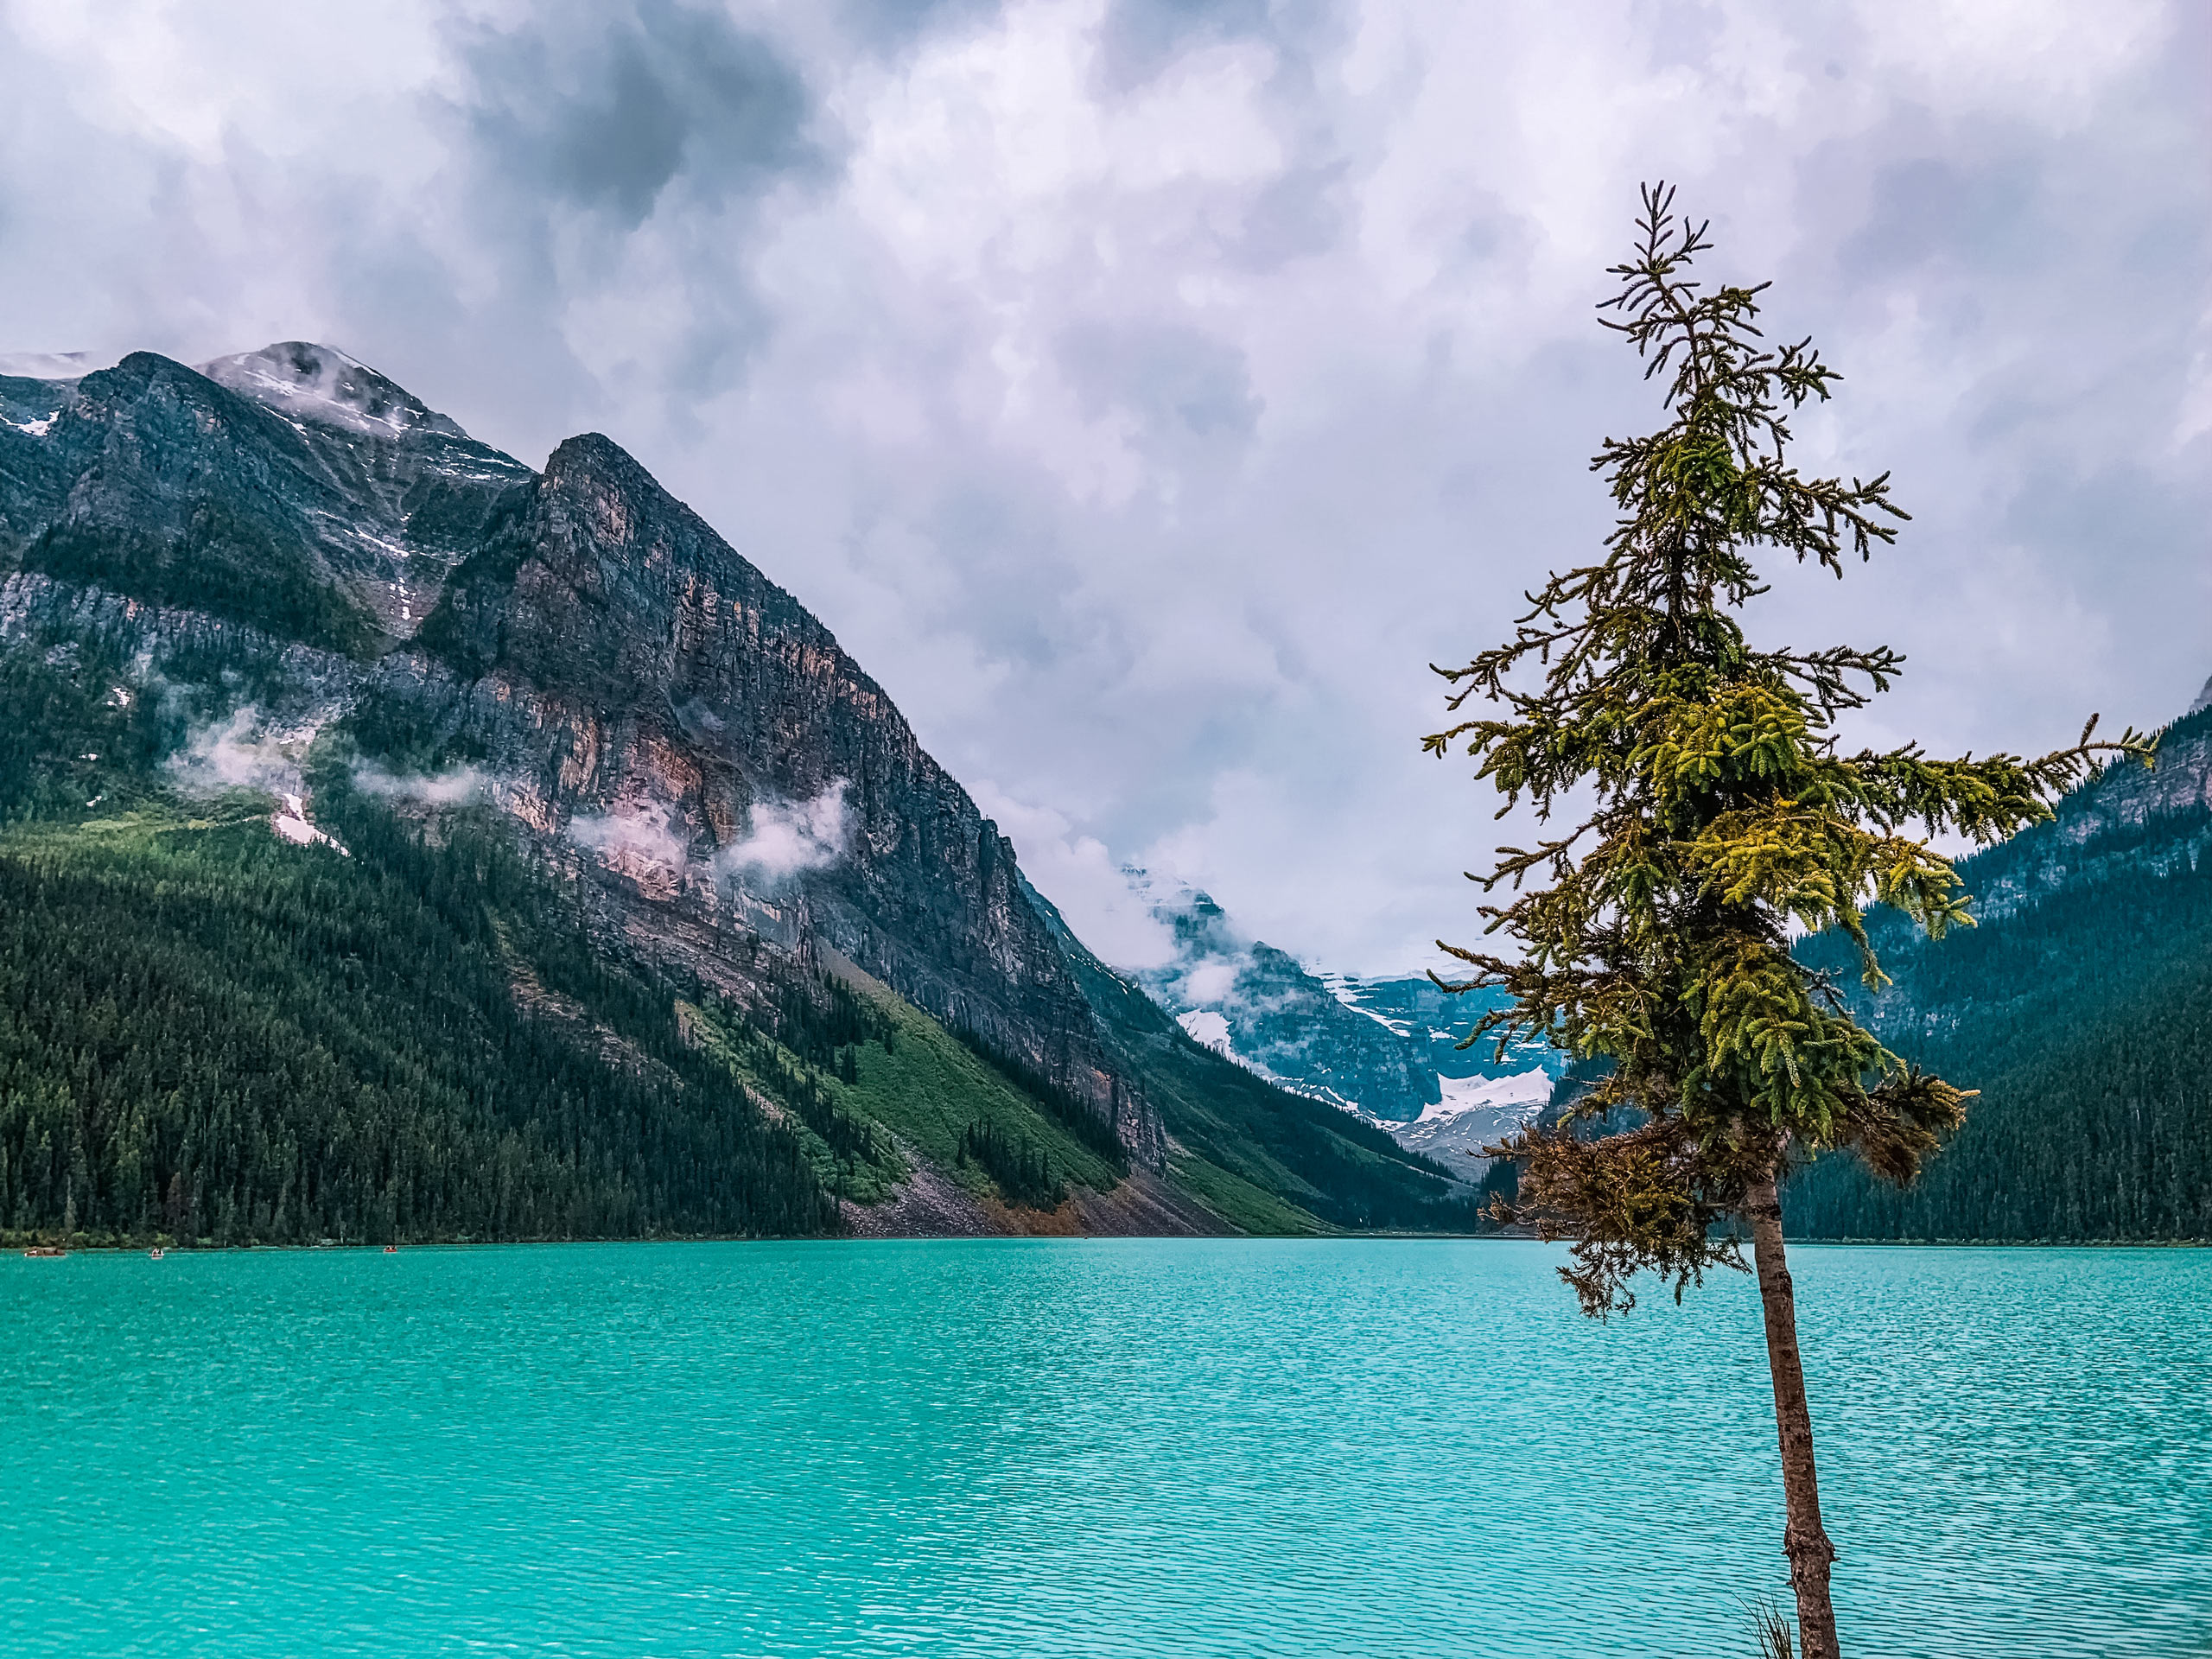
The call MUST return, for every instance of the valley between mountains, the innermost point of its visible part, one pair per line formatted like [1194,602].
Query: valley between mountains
[403,843]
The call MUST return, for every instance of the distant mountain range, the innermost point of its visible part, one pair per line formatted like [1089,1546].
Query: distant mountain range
[1389,1050]
[400,841]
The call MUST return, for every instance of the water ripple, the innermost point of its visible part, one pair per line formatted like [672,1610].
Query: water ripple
[1084,1448]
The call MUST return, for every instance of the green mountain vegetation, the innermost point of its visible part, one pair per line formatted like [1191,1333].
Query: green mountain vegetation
[474,1022]
[2082,1019]
[207,1033]
[2083,1016]
[226,563]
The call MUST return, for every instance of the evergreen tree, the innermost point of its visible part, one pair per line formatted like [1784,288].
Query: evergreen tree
[1653,937]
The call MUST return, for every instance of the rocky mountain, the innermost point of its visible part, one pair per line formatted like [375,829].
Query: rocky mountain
[2080,1007]
[1388,1050]
[563,702]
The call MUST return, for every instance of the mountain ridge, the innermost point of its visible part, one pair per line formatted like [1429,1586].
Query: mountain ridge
[305,583]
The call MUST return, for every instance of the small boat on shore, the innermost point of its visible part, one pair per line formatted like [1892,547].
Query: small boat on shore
[46,1249]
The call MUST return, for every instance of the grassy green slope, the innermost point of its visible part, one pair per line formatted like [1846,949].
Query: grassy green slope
[912,1078]
[929,1089]
[205,1032]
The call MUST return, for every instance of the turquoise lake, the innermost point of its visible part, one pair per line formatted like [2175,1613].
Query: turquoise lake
[1084,1448]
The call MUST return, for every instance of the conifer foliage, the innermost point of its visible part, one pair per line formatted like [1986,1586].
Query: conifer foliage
[1652,940]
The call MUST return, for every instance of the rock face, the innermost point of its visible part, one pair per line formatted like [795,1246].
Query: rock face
[576,646]
[2130,816]
[647,693]
[153,480]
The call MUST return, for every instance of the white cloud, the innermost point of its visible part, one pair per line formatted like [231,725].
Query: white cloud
[1077,872]
[787,837]
[448,788]
[1145,394]
[634,838]
[246,749]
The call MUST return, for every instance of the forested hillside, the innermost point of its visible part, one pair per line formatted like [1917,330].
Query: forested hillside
[209,1033]
[2080,1009]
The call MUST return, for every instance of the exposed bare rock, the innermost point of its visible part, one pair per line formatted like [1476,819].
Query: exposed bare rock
[925,1205]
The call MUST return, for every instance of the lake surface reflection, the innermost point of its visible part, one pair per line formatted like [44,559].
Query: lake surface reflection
[1085,1448]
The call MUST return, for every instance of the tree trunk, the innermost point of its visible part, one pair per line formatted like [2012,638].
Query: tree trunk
[1804,1542]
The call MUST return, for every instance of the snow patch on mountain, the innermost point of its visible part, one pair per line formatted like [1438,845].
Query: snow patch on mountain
[1373,1046]
[1521,1091]
[290,823]
[1474,1113]
[303,381]
[1346,990]
[1208,1029]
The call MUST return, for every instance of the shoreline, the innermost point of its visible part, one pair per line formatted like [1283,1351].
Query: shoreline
[36,1248]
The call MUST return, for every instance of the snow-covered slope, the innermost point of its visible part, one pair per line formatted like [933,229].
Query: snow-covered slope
[1388,1049]
[1474,1113]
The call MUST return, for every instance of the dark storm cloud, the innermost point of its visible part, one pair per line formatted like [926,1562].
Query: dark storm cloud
[609,113]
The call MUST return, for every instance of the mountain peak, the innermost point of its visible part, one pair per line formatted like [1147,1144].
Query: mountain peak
[312,382]
[590,456]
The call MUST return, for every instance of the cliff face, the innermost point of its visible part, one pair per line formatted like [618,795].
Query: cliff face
[576,646]
[309,519]
[281,572]
[1388,1049]
[646,692]
[2155,819]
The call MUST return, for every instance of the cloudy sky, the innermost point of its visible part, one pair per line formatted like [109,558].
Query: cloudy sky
[1147,390]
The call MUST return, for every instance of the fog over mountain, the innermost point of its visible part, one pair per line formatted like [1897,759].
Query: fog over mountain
[1147,392]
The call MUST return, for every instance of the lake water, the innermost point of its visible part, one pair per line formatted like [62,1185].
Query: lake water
[1084,1448]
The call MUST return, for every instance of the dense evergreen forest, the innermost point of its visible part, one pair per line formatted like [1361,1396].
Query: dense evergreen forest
[209,1034]
[205,567]
[2081,1009]
[2084,1017]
